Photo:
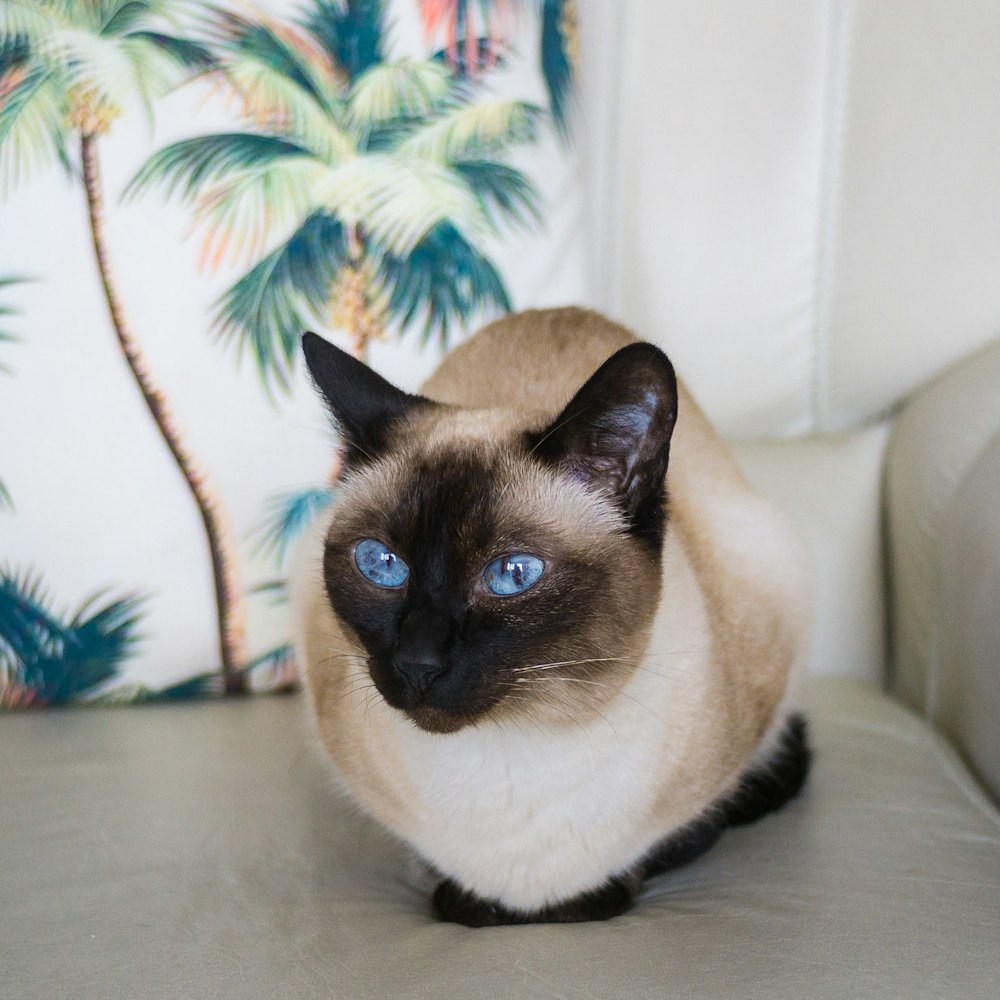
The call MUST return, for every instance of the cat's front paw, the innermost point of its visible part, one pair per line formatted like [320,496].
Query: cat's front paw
[458,905]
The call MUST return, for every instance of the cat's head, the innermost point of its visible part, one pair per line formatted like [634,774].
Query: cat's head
[490,561]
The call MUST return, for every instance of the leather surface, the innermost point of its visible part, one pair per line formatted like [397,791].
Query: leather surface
[968,698]
[199,851]
[796,198]
[943,498]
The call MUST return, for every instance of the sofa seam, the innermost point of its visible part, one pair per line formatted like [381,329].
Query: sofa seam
[611,245]
[839,20]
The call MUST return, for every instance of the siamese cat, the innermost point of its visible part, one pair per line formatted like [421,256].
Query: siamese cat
[548,630]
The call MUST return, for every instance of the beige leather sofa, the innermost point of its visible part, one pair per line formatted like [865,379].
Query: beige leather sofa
[801,201]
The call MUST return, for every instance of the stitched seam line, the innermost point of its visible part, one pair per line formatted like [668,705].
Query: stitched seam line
[610,272]
[832,143]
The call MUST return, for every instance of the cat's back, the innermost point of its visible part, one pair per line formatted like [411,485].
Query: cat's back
[534,360]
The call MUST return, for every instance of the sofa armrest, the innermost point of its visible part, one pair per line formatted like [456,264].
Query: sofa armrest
[943,509]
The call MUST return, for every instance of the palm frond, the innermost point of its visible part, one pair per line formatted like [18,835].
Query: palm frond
[286,517]
[89,63]
[65,66]
[557,65]
[120,17]
[351,32]
[444,281]
[266,311]
[35,21]
[113,69]
[187,165]
[5,336]
[15,52]
[474,32]
[273,670]
[204,685]
[400,200]
[276,104]
[45,659]
[473,59]
[384,137]
[474,131]
[272,46]
[153,71]
[285,80]
[5,369]
[6,500]
[404,89]
[276,591]
[33,124]
[249,210]
[502,191]
[185,52]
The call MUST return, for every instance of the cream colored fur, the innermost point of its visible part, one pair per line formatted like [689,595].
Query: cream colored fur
[534,810]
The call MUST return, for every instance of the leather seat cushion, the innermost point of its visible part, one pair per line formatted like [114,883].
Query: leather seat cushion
[200,850]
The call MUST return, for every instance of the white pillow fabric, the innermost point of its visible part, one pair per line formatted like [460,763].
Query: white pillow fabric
[423,146]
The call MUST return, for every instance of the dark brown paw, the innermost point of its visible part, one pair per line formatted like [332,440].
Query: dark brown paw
[683,845]
[455,904]
[458,905]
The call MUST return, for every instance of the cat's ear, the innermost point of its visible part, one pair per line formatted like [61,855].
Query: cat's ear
[614,434]
[362,402]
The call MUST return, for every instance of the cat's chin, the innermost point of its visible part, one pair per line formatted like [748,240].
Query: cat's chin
[431,719]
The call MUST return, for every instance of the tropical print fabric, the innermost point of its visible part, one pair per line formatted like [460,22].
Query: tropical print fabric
[184,189]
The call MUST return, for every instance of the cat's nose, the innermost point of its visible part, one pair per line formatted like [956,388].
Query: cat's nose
[417,676]
[421,654]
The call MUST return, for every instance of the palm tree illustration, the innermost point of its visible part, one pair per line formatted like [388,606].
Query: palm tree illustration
[475,34]
[361,187]
[47,658]
[68,69]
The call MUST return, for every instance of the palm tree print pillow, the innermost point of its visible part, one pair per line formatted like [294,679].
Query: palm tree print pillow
[184,189]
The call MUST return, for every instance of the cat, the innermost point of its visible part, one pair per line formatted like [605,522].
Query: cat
[549,640]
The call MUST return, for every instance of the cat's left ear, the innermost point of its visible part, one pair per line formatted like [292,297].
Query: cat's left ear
[614,434]
[363,403]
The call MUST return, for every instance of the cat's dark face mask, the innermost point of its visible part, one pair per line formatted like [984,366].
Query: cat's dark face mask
[479,570]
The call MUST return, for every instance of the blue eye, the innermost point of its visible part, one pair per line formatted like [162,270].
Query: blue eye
[513,574]
[380,564]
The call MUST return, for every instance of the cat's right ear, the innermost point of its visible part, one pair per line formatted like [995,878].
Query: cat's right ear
[614,434]
[363,403]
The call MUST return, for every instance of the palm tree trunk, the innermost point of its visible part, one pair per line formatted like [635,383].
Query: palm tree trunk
[358,342]
[228,593]
[355,320]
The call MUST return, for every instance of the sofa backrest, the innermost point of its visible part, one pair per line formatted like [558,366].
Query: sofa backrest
[800,199]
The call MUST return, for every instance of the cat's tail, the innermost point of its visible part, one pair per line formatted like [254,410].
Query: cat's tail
[766,787]
[763,789]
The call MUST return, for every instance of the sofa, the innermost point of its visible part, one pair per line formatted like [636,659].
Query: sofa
[799,201]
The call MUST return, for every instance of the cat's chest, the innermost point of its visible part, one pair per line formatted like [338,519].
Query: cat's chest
[523,779]
[509,811]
